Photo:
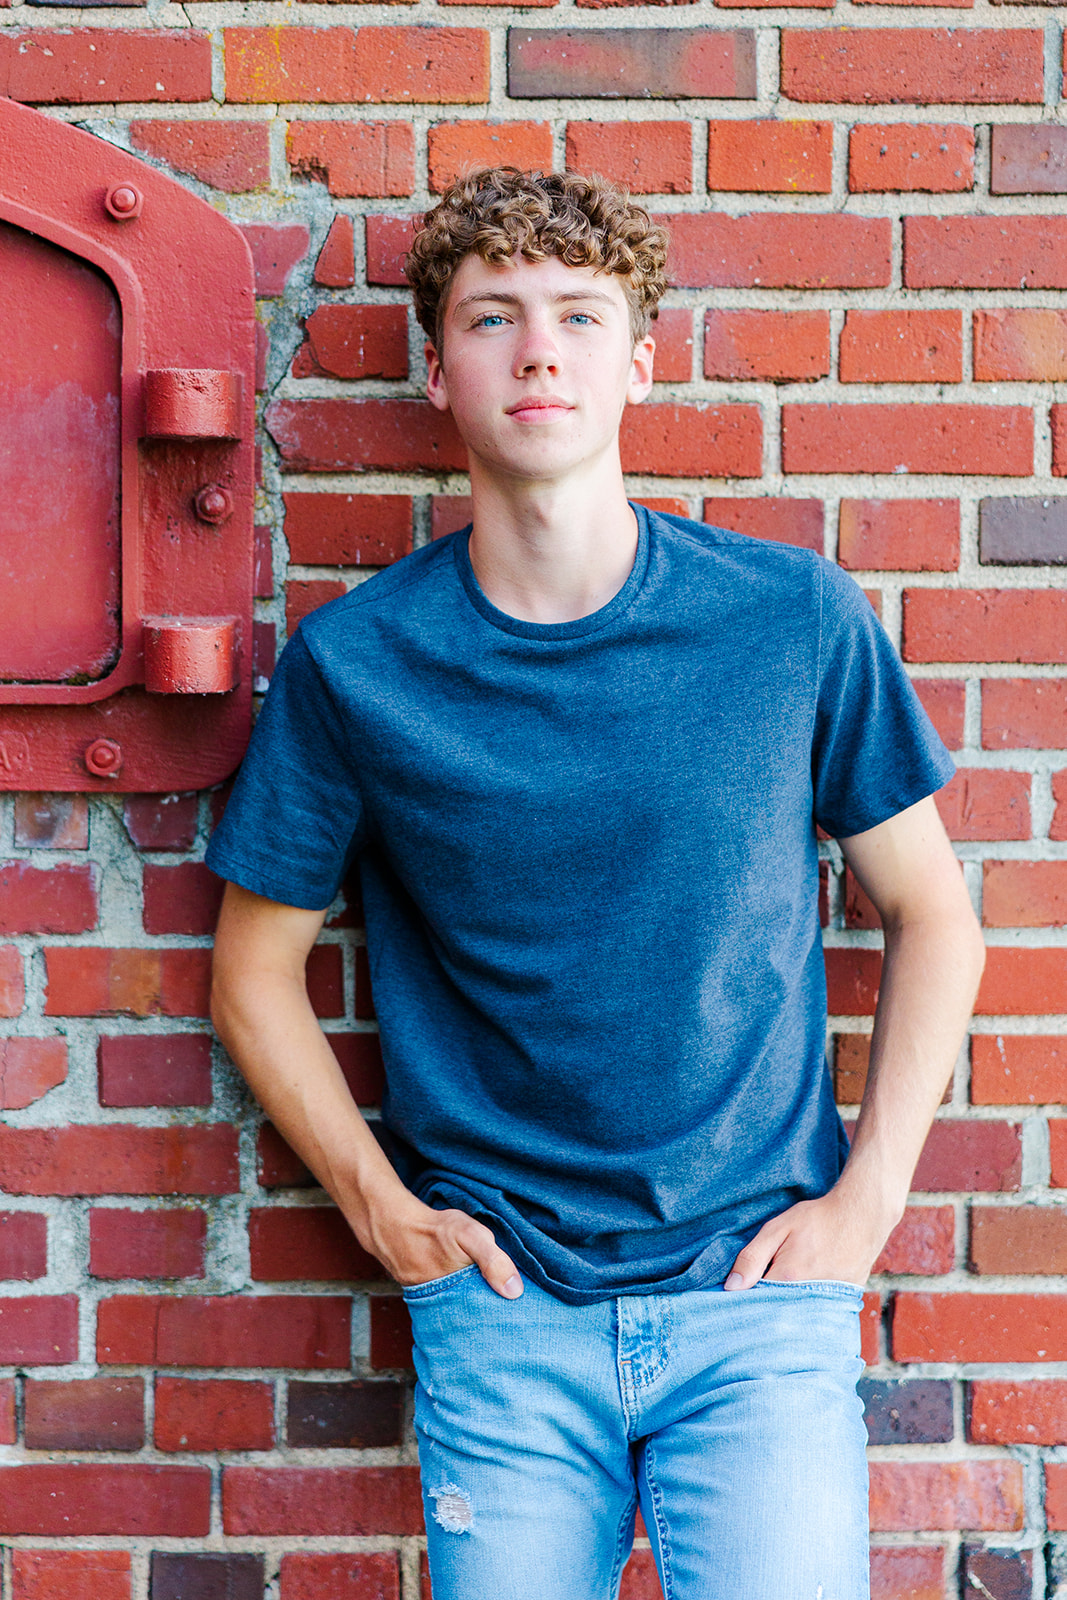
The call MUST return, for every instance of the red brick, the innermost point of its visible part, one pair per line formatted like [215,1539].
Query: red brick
[871,1329]
[798,522]
[923,1242]
[354,342]
[1000,1412]
[213,1414]
[1018,1239]
[1017,343]
[147,1244]
[336,264]
[70,1575]
[161,821]
[914,1572]
[787,157]
[93,66]
[985,252]
[1028,159]
[90,980]
[12,982]
[300,1331]
[1024,713]
[1058,421]
[84,1414]
[388,241]
[899,535]
[943,701]
[171,1069]
[908,438]
[354,158]
[348,529]
[1018,1069]
[1057,1137]
[933,157]
[958,1155]
[59,899]
[902,347]
[852,981]
[52,821]
[673,333]
[28,1069]
[910,1496]
[606,63]
[979,1327]
[1056,1496]
[787,346]
[648,157]
[851,1060]
[778,250]
[366,1576]
[354,66]
[141,1500]
[40,1331]
[277,248]
[262,558]
[692,441]
[1027,625]
[914,66]
[8,1415]
[390,1332]
[277,1165]
[1058,825]
[181,899]
[303,596]
[984,803]
[1023,983]
[310,1243]
[233,156]
[352,1501]
[454,148]
[23,1245]
[114,1159]
[1024,894]
[365,436]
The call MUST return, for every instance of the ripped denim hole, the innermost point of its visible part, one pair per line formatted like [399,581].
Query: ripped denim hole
[452,1509]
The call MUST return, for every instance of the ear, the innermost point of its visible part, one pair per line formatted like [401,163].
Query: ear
[436,389]
[640,384]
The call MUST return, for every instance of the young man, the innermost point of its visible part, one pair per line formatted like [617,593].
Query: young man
[579,752]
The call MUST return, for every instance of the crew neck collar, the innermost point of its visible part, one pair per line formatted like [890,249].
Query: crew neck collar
[597,620]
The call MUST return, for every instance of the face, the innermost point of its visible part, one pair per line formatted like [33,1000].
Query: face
[538,366]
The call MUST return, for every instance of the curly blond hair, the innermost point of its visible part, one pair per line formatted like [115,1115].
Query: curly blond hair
[498,212]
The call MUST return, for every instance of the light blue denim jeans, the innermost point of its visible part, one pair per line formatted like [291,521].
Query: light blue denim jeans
[731,1419]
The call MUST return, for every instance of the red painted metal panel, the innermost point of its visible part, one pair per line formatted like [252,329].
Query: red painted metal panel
[126,470]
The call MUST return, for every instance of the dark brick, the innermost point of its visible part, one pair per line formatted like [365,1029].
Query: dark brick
[1029,159]
[155,1069]
[618,63]
[390,1331]
[908,1411]
[206,1577]
[52,821]
[1027,530]
[84,1414]
[345,1416]
[161,821]
[997,1574]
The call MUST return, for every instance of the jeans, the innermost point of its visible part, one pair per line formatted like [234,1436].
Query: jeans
[732,1419]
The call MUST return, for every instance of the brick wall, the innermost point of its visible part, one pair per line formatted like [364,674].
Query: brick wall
[860,353]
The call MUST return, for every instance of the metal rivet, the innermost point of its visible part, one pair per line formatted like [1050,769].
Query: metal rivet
[123,202]
[103,758]
[213,503]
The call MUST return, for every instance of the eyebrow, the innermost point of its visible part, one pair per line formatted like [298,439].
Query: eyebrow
[501,297]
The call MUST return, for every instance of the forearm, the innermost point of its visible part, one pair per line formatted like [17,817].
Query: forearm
[929,978]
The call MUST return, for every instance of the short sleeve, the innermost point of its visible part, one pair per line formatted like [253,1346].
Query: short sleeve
[295,820]
[874,749]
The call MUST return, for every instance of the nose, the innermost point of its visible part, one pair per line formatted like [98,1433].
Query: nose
[537,350]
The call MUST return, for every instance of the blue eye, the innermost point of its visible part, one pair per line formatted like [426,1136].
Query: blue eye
[490,319]
[582,317]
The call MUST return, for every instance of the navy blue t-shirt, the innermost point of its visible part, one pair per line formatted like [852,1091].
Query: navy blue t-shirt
[590,878]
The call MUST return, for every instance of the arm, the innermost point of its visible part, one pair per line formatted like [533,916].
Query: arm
[260,1008]
[933,961]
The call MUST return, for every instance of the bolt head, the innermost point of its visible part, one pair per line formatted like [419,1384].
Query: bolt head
[213,503]
[123,202]
[103,758]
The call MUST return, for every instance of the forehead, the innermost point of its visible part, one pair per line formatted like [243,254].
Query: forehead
[532,281]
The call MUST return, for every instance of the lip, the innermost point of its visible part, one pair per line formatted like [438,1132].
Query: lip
[546,406]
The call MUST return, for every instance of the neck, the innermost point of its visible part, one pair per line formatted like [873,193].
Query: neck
[551,553]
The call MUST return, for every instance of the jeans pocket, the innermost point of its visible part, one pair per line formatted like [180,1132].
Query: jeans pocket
[425,1291]
[831,1286]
